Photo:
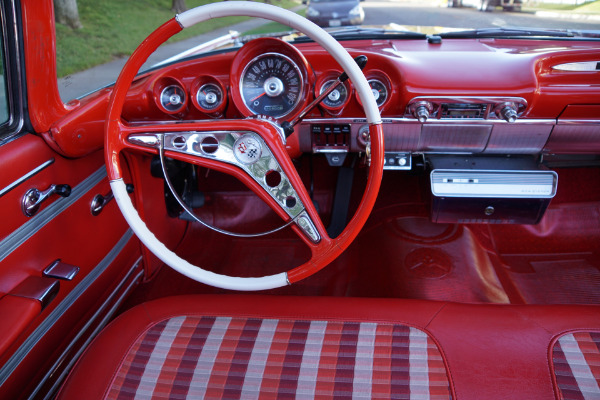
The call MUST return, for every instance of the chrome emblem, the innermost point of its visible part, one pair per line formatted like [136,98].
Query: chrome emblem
[334,15]
[247,149]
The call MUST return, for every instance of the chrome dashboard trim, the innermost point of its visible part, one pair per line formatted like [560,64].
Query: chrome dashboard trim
[391,120]
[401,120]
[25,177]
[578,122]
[491,103]
[19,355]
[37,222]
[509,184]
[582,66]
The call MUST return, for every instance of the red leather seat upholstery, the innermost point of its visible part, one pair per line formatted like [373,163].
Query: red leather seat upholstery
[233,346]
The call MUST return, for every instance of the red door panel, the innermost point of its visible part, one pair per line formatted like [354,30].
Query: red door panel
[44,335]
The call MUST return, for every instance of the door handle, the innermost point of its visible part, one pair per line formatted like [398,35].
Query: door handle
[33,199]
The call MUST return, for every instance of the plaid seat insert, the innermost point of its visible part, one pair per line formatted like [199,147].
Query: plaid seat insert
[221,357]
[576,359]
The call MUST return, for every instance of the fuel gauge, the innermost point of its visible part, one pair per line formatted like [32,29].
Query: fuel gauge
[337,98]
[209,97]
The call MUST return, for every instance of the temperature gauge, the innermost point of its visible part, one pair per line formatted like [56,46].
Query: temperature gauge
[209,97]
[380,91]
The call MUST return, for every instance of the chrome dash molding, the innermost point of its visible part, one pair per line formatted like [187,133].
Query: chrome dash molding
[404,120]
[582,66]
[31,227]
[25,177]
[62,307]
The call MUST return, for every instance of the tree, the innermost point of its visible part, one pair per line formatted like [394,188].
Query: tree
[66,13]
[178,6]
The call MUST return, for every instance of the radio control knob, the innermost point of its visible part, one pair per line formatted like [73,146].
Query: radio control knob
[421,110]
[422,113]
[508,111]
[509,114]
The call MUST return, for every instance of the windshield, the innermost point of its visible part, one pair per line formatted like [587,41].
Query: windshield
[327,1]
[92,50]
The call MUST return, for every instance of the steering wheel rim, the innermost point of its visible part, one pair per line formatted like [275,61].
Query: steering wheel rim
[322,254]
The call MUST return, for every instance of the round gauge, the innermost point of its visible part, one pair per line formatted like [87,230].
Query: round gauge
[271,84]
[337,97]
[172,98]
[380,91]
[209,96]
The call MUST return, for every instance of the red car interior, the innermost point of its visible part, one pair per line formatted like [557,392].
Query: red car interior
[416,286]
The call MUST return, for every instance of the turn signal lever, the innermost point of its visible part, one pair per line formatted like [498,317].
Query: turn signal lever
[288,127]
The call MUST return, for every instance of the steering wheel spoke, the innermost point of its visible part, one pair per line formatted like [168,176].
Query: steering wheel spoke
[239,149]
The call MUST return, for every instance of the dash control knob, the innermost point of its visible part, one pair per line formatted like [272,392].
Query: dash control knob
[508,111]
[422,113]
[509,114]
[421,110]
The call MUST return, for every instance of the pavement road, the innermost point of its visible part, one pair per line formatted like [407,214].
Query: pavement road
[435,13]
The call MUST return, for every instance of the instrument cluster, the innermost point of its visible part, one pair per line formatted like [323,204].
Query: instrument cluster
[267,77]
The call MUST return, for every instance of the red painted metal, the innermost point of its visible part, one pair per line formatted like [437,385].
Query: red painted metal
[119,93]
[39,40]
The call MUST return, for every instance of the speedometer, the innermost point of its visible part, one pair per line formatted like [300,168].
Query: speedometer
[271,85]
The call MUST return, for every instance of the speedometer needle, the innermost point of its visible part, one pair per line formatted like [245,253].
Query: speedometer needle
[259,96]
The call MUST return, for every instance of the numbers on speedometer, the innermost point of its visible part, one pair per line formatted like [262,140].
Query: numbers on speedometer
[271,85]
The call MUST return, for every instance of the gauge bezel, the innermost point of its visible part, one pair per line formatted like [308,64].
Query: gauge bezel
[294,65]
[377,75]
[198,84]
[272,45]
[322,80]
[216,104]
[387,91]
[164,84]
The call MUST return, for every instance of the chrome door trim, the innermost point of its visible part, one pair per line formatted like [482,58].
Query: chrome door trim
[13,71]
[31,227]
[62,307]
[74,357]
[25,177]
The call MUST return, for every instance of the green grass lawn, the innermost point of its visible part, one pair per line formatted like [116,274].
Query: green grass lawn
[114,28]
[593,7]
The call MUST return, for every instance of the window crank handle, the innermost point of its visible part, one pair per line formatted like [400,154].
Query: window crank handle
[33,199]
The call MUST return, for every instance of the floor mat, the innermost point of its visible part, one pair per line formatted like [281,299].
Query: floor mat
[556,261]
[400,253]
[411,257]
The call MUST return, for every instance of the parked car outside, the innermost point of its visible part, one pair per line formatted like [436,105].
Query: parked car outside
[488,5]
[335,12]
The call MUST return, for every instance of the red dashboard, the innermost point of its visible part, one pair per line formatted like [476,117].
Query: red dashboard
[486,96]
